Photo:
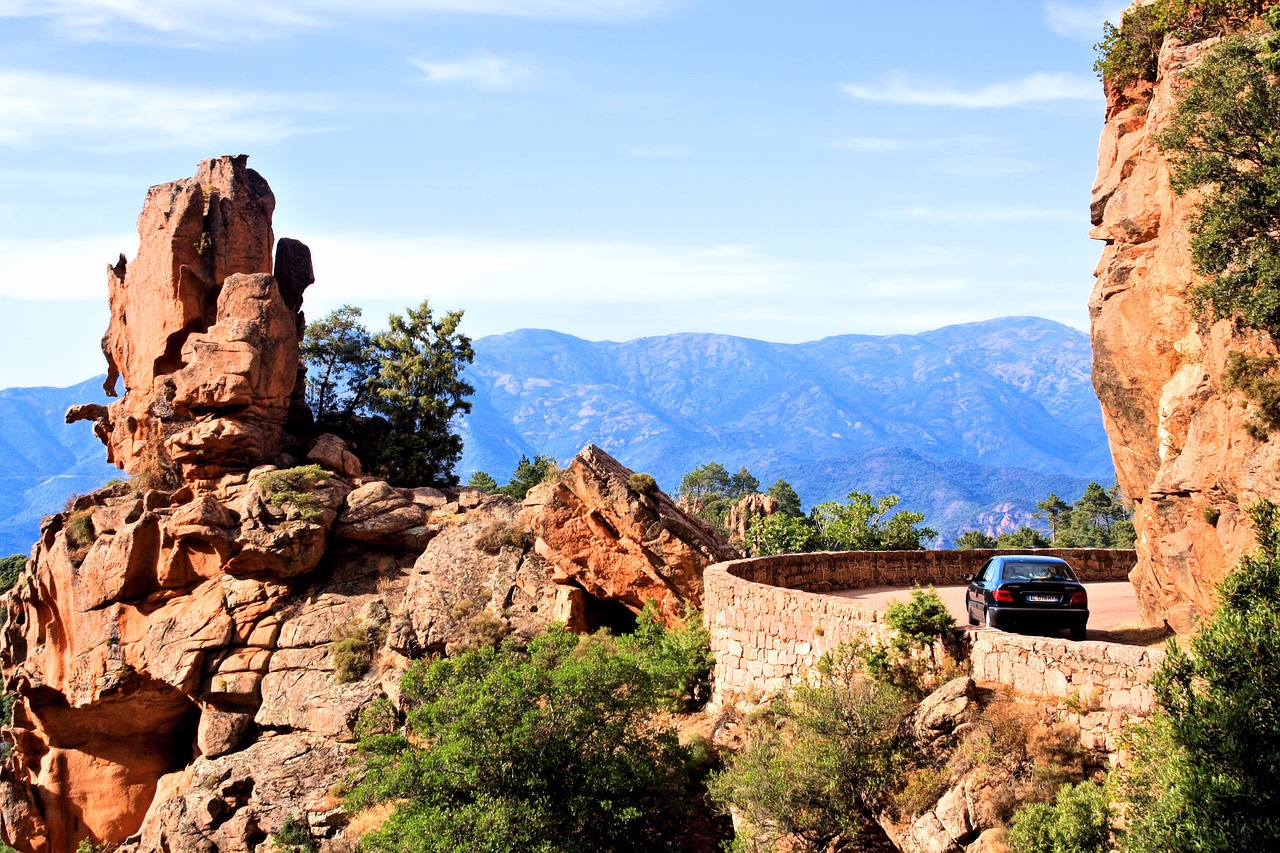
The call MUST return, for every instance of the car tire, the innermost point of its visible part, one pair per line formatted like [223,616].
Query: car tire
[1078,632]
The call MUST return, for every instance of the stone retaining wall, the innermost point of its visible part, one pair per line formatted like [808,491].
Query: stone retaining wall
[1098,685]
[768,621]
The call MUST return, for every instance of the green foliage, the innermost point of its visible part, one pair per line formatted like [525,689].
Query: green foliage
[820,762]
[678,659]
[909,662]
[1205,772]
[1099,519]
[1022,538]
[974,540]
[498,535]
[554,747]
[10,570]
[528,474]
[337,352]
[482,481]
[787,498]
[1224,139]
[351,649]
[642,483]
[780,533]
[1079,821]
[291,487]
[1255,376]
[294,836]
[80,534]
[861,525]
[710,491]
[417,387]
[1129,52]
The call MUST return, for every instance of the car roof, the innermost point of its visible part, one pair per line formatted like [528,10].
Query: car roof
[1029,558]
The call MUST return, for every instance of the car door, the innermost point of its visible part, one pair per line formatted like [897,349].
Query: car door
[976,597]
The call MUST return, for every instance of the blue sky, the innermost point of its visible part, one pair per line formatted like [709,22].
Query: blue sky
[608,168]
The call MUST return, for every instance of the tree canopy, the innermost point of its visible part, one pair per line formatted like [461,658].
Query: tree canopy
[1224,140]
[409,378]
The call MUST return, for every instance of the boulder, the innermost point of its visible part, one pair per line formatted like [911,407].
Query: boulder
[618,544]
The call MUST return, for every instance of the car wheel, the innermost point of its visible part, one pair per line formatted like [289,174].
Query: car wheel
[991,619]
[1078,631]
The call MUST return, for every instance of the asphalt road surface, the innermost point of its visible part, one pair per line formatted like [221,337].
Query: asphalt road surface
[1111,603]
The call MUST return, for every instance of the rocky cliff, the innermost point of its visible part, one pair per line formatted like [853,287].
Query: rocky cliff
[1181,448]
[189,650]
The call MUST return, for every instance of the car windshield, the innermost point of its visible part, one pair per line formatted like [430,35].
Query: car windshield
[1037,572]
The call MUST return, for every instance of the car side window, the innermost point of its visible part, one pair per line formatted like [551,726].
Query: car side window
[985,574]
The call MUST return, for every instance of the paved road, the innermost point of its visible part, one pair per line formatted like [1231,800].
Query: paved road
[1111,603]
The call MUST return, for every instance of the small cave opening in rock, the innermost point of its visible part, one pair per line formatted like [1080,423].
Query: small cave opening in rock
[598,613]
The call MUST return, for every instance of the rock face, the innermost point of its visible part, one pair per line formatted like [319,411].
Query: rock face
[202,334]
[618,544]
[1181,450]
[190,651]
[753,506]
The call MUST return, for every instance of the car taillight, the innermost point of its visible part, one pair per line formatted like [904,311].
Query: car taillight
[1004,595]
[1080,598]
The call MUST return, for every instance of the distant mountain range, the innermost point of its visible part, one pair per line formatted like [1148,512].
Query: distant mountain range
[970,424]
[43,461]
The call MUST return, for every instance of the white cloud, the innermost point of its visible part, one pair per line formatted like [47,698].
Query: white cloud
[103,114]
[982,214]
[469,270]
[481,71]
[1082,21]
[1033,89]
[60,269]
[97,20]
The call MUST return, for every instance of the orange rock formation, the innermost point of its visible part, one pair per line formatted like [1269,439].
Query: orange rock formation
[1181,450]
[170,644]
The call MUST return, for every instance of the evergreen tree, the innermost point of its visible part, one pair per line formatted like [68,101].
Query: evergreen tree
[788,500]
[972,540]
[1052,509]
[482,481]
[336,352]
[527,475]
[417,387]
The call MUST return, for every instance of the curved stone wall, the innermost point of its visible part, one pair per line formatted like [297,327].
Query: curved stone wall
[768,620]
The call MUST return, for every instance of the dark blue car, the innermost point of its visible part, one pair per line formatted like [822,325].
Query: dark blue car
[1031,592]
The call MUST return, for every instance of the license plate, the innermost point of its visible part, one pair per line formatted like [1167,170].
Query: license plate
[1043,599]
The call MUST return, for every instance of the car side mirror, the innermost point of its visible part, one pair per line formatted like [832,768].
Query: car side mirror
[968,578]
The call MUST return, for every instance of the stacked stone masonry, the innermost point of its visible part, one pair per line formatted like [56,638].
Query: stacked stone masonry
[769,621]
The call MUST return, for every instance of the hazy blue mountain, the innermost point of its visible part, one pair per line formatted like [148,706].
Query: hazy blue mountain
[43,460]
[959,421]
[970,424]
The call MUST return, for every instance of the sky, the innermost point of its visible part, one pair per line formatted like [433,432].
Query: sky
[611,169]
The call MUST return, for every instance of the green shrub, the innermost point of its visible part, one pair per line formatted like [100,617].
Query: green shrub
[679,658]
[80,534]
[1224,141]
[1079,821]
[642,483]
[10,570]
[820,762]
[1129,53]
[1254,376]
[496,536]
[294,836]
[291,487]
[552,747]
[351,649]
[1204,772]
